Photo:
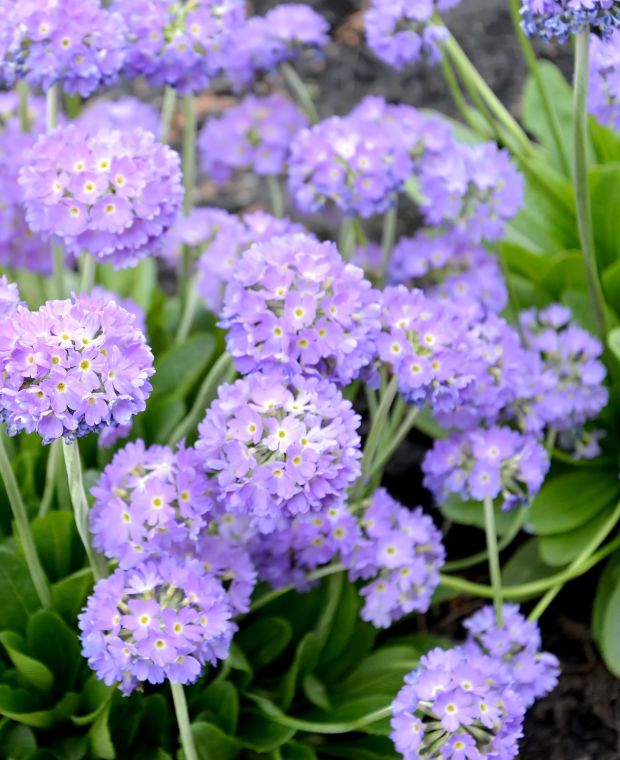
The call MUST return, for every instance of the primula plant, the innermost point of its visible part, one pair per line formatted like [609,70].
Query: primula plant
[202,553]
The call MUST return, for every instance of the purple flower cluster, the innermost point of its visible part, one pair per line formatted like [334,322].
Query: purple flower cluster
[181,45]
[450,269]
[516,645]
[482,464]
[604,89]
[473,189]
[80,45]
[400,552]
[163,620]
[400,32]
[149,501]
[559,19]
[264,42]
[124,113]
[110,193]
[9,297]
[230,563]
[255,134]
[103,294]
[457,704]
[71,368]
[293,302]
[280,446]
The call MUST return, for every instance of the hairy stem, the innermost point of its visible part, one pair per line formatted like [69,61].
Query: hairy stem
[180,708]
[494,566]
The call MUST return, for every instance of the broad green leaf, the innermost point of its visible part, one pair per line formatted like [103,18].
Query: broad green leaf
[609,581]
[297,751]
[264,640]
[212,743]
[606,615]
[359,646]
[606,143]
[95,697]
[21,706]
[58,544]
[525,565]
[368,748]
[259,733]
[610,279]
[18,597]
[18,742]
[562,548]
[304,662]
[316,692]
[219,704]
[32,670]
[472,513]
[572,499]
[530,264]
[351,712]
[70,594]
[613,341]
[344,624]
[51,641]
[99,737]
[162,417]
[180,367]
[605,200]
[566,272]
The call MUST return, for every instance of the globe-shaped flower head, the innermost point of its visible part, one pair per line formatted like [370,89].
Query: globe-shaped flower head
[80,45]
[124,113]
[148,501]
[280,446]
[560,19]
[163,620]
[71,368]
[255,134]
[110,193]
[293,302]
[180,44]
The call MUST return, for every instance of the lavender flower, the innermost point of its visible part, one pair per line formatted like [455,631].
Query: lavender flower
[71,368]
[369,258]
[80,45]
[124,113]
[474,189]
[254,135]
[148,501]
[110,193]
[293,302]
[604,89]
[427,346]
[450,269]
[231,564]
[516,644]
[280,446]
[163,620]
[457,704]
[562,18]
[264,42]
[183,44]
[482,464]
[9,297]
[401,32]
[400,553]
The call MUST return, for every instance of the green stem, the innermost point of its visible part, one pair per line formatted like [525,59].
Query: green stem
[189,152]
[470,116]
[384,457]
[276,593]
[22,527]
[52,107]
[24,115]
[189,310]
[167,113]
[476,559]
[494,567]
[73,465]
[88,267]
[582,185]
[583,556]
[527,590]
[276,196]
[388,236]
[58,273]
[532,62]
[51,470]
[222,371]
[300,91]
[180,708]
[346,237]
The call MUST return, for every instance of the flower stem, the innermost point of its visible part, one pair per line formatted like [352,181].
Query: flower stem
[395,440]
[189,311]
[300,91]
[73,466]
[346,238]
[24,115]
[494,567]
[51,471]
[22,527]
[88,267]
[276,197]
[52,107]
[189,175]
[167,113]
[276,593]
[582,184]
[469,114]
[180,708]
[52,103]
[388,236]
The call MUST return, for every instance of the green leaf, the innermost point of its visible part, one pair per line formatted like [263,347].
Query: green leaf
[562,548]
[613,341]
[100,740]
[179,368]
[257,732]
[609,580]
[162,417]
[18,597]
[69,594]
[264,640]
[51,641]
[572,499]
[530,264]
[19,742]
[344,624]
[525,565]
[22,706]
[212,743]
[606,143]
[359,646]
[316,692]
[219,704]
[606,615]
[610,279]
[32,670]
[368,748]
[297,751]
[605,203]
[95,697]
[304,662]
[58,544]
[471,513]
[566,272]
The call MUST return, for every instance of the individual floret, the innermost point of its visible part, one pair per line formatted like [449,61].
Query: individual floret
[280,446]
[111,193]
[254,135]
[292,302]
[71,368]
[163,620]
